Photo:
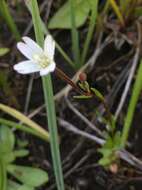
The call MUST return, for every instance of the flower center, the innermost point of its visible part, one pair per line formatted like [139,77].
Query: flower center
[42,60]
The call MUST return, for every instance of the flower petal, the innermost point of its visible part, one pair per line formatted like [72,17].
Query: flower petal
[25,50]
[49,46]
[48,69]
[26,67]
[33,45]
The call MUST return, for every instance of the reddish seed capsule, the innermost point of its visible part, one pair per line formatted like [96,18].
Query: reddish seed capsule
[114,168]
[82,77]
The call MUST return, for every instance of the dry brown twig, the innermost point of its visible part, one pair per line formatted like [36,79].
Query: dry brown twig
[131,74]
[83,118]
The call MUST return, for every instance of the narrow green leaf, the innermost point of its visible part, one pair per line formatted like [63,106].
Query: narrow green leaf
[24,128]
[5,12]
[98,94]
[117,11]
[21,153]
[93,18]
[82,97]
[74,35]
[132,105]
[24,119]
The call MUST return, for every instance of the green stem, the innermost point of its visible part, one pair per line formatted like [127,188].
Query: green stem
[132,105]
[54,140]
[49,101]
[92,23]
[74,36]
[24,128]
[117,11]
[4,10]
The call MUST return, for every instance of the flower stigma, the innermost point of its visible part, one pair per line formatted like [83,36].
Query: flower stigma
[42,60]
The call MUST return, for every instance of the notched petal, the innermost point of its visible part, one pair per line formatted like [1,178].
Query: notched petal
[25,50]
[33,45]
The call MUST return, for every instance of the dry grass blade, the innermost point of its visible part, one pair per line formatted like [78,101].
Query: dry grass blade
[24,119]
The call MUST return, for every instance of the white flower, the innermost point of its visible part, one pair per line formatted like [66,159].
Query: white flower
[39,60]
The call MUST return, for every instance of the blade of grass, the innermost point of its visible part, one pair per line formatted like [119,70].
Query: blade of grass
[24,128]
[117,12]
[92,23]
[74,37]
[24,119]
[106,8]
[4,10]
[49,101]
[132,105]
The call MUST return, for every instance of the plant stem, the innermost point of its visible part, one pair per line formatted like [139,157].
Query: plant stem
[24,119]
[90,31]
[54,141]
[49,102]
[24,128]
[117,12]
[64,77]
[132,105]
[4,10]
[74,36]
